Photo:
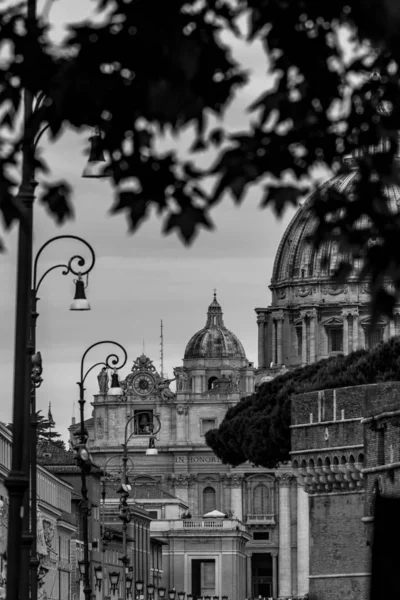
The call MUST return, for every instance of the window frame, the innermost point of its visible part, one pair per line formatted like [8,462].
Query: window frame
[202,420]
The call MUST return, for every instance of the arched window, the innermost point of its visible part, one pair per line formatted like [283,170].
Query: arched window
[209,499]
[210,382]
[261,500]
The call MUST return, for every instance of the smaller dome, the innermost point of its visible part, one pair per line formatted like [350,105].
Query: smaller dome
[214,340]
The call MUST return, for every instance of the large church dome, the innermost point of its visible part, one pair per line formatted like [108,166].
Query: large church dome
[214,340]
[297,259]
[312,316]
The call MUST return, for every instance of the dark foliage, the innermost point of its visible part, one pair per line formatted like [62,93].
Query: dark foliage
[153,66]
[257,428]
[45,432]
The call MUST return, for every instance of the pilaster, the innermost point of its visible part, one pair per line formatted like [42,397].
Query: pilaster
[285,545]
[303,544]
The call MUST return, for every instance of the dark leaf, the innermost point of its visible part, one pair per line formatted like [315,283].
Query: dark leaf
[280,197]
[56,198]
[187,222]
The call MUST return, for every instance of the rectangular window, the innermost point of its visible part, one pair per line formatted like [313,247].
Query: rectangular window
[374,337]
[335,339]
[144,422]
[153,514]
[261,535]
[206,425]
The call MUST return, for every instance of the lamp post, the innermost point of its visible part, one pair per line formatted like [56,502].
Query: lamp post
[82,455]
[104,537]
[17,482]
[139,585]
[150,428]
[114,580]
[77,266]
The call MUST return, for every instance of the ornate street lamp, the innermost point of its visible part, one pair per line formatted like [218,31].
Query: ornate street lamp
[190,597]
[215,597]
[114,580]
[124,511]
[128,585]
[98,573]
[172,594]
[81,565]
[77,265]
[161,592]
[82,455]
[150,590]
[207,597]
[224,597]
[181,595]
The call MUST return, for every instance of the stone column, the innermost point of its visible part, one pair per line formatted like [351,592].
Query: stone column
[303,317]
[236,496]
[279,316]
[249,591]
[280,341]
[285,542]
[261,340]
[274,339]
[355,330]
[274,574]
[303,543]
[345,334]
[313,318]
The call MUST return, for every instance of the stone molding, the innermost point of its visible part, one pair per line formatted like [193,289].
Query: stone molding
[233,479]
[182,479]
[310,313]
[302,291]
[350,312]
[334,290]
[278,315]
[285,478]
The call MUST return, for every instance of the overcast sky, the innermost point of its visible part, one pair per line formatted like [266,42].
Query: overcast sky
[138,280]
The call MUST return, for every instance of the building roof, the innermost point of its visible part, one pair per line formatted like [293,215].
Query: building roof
[214,340]
[296,259]
[50,454]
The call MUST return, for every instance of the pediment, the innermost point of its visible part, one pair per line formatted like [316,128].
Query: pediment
[367,322]
[333,322]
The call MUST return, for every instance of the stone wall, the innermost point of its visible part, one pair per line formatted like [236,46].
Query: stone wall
[328,454]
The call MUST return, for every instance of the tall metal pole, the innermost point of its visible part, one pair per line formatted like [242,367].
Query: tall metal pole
[34,562]
[85,467]
[82,454]
[103,540]
[124,523]
[17,482]
[67,268]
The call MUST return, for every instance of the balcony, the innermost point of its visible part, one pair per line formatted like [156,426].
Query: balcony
[268,519]
[196,524]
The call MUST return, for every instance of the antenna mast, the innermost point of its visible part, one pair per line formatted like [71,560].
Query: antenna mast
[162,351]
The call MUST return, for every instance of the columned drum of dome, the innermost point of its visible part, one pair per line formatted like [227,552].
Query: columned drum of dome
[312,317]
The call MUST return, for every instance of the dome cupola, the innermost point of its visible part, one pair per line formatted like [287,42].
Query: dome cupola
[214,340]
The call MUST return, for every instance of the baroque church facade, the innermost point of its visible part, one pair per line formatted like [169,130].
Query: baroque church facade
[240,532]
